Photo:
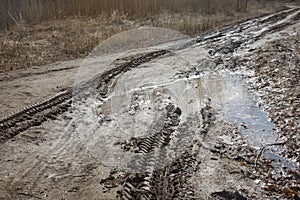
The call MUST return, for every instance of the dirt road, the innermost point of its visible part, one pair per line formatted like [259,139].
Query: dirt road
[181,120]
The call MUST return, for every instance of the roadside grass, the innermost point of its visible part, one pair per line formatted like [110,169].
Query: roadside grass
[33,44]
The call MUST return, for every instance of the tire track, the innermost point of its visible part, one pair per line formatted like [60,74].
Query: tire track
[40,166]
[158,179]
[242,30]
[34,115]
[154,178]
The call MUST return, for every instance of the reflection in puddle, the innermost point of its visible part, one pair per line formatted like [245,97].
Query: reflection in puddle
[240,107]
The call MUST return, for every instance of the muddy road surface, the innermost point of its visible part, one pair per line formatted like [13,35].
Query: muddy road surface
[195,118]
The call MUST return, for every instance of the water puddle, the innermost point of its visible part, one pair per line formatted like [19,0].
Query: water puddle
[227,94]
[239,106]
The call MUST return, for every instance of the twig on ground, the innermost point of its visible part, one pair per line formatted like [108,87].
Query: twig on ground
[262,150]
[28,195]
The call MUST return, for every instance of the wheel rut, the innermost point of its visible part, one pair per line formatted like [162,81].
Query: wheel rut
[35,114]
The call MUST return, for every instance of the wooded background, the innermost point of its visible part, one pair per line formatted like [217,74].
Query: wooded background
[34,11]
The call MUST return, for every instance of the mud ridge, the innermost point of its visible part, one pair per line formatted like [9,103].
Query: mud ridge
[220,42]
[109,76]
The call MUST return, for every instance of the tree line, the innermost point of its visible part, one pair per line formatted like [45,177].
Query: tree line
[34,11]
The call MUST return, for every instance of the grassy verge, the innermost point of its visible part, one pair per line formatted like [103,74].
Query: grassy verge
[24,45]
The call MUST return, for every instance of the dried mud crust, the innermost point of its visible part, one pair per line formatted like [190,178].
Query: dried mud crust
[276,79]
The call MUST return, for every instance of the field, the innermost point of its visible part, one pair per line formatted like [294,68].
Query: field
[35,11]
[38,32]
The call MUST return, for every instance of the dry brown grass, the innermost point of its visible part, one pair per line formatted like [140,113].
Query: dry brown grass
[26,44]
[36,11]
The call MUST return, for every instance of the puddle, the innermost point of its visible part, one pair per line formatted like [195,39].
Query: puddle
[226,91]
[239,106]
